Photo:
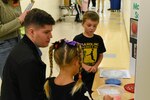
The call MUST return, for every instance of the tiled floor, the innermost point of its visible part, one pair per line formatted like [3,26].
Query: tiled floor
[111,28]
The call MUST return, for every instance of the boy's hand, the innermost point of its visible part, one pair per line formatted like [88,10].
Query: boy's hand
[93,69]
[87,68]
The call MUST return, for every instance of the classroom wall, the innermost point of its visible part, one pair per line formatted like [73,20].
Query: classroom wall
[126,9]
[142,81]
[51,6]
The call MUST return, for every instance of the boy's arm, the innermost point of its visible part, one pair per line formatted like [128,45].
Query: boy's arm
[95,67]
[99,60]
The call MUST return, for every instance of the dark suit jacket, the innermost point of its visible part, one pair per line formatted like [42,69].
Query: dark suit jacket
[24,73]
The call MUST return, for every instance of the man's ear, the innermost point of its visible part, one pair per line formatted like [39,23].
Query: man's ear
[30,31]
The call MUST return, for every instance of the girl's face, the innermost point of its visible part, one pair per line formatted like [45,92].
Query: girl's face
[90,26]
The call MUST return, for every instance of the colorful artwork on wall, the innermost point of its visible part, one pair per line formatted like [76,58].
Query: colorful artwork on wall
[133,28]
[133,35]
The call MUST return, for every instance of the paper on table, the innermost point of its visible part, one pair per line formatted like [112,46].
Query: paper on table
[110,73]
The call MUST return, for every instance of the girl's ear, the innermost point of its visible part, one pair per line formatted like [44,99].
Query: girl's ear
[75,62]
[76,66]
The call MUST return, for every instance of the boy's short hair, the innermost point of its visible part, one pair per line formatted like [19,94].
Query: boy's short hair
[92,15]
[38,17]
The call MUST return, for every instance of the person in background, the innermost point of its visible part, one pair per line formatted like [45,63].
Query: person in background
[68,56]
[11,20]
[93,3]
[93,48]
[84,6]
[110,6]
[78,5]
[102,1]
[24,71]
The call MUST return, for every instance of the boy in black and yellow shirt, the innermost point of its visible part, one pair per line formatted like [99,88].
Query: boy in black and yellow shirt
[93,48]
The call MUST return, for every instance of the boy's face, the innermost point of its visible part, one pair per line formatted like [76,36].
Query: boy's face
[41,35]
[90,26]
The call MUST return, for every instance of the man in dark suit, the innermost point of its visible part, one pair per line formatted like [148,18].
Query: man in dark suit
[24,72]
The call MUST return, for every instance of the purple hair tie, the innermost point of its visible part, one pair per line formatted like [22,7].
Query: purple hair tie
[72,43]
[57,44]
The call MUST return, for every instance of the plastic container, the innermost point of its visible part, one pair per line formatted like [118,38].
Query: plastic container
[113,81]
[112,90]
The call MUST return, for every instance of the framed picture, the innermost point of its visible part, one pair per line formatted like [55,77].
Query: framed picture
[135,51]
[133,35]
[133,28]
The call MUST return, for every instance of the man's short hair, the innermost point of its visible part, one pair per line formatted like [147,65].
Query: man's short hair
[38,17]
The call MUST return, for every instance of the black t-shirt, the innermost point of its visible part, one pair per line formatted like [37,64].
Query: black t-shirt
[92,47]
[64,92]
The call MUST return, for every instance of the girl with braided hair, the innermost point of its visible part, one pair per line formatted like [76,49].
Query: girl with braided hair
[67,55]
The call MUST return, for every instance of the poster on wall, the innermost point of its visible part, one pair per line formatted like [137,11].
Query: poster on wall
[135,7]
[133,35]
[134,26]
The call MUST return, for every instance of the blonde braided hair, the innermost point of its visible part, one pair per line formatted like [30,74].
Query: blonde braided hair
[46,85]
[67,54]
[79,83]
